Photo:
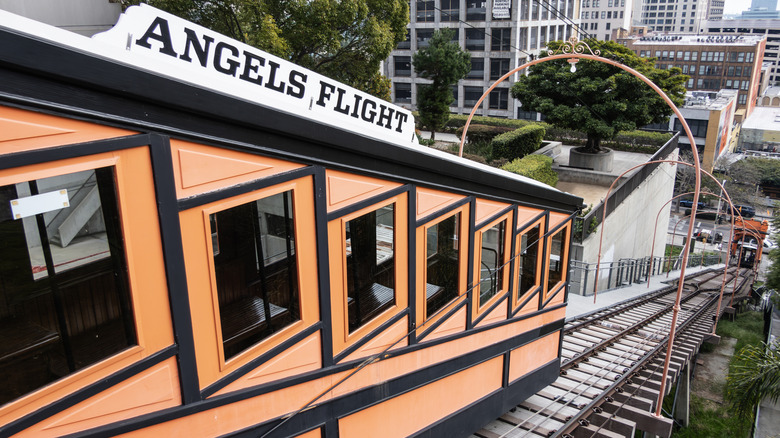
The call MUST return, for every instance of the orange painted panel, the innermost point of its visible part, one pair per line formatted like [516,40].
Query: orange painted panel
[485,209]
[531,306]
[145,266]
[395,334]
[556,219]
[429,201]
[204,303]
[22,130]
[558,298]
[525,215]
[496,315]
[198,168]
[408,413]
[302,357]
[345,189]
[316,433]
[531,356]
[153,390]
[454,324]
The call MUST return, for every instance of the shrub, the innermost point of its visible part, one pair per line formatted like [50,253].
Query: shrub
[538,167]
[518,143]
[480,133]
[458,121]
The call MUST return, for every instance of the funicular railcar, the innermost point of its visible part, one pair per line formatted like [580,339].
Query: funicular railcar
[198,239]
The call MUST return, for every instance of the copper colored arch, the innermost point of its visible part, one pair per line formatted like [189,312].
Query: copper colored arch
[696,163]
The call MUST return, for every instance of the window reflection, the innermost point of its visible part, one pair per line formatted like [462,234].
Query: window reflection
[491,262]
[529,259]
[443,263]
[556,265]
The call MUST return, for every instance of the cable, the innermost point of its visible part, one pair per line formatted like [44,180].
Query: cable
[553,10]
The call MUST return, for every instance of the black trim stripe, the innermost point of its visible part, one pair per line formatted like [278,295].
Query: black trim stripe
[412,265]
[176,276]
[374,333]
[323,267]
[240,189]
[471,261]
[88,391]
[56,153]
[258,361]
[406,188]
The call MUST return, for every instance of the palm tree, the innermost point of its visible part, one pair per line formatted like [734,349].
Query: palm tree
[754,377]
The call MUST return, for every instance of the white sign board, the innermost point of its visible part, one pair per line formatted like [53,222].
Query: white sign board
[191,53]
[501,9]
[36,204]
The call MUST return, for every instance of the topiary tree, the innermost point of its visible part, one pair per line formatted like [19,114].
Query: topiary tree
[599,99]
[444,63]
[538,167]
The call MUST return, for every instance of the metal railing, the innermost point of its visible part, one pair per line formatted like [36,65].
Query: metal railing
[583,226]
[624,272]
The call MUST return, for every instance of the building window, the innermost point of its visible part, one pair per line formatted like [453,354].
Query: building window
[499,99]
[498,67]
[442,268]
[741,57]
[256,270]
[501,39]
[370,244]
[402,65]
[64,290]
[403,92]
[698,127]
[425,11]
[470,96]
[492,261]
[475,10]
[406,44]
[423,37]
[477,69]
[475,39]
[528,261]
[450,10]
[742,99]
[557,267]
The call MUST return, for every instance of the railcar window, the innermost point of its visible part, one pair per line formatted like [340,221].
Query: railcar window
[64,293]
[370,244]
[529,259]
[442,264]
[556,265]
[256,270]
[492,268]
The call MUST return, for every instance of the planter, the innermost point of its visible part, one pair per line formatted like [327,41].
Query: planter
[600,162]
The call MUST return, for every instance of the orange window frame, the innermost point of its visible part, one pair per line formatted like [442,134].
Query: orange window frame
[337,254]
[566,230]
[142,246]
[422,265]
[517,294]
[201,278]
[477,309]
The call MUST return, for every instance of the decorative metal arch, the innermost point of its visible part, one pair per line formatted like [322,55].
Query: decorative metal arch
[574,50]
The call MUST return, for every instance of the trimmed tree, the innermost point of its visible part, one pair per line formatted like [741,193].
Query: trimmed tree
[599,99]
[444,63]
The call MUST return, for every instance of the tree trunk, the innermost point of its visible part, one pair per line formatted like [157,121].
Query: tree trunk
[593,144]
[433,134]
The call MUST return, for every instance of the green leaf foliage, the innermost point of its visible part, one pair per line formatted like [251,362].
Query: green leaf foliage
[444,63]
[459,120]
[345,40]
[599,99]
[480,133]
[754,377]
[538,167]
[518,143]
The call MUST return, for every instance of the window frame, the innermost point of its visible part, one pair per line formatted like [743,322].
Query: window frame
[519,298]
[421,307]
[337,251]
[478,309]
[548,292]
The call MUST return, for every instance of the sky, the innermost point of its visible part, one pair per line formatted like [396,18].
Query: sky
[735,6]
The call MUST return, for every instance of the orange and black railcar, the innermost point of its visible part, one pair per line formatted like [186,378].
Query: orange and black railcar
[181,259]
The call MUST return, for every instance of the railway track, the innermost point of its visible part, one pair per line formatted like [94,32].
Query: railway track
[612,362]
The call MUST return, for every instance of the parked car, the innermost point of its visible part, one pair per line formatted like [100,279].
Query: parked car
[687,203]
[768,246]
[746,210]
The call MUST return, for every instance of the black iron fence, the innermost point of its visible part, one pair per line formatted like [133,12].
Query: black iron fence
[624,272]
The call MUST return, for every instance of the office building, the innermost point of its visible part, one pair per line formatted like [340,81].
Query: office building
[770,27]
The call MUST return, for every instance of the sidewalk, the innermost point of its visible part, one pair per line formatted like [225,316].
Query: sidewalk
[580,305]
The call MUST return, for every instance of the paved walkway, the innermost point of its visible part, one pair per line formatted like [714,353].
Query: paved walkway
[580,305]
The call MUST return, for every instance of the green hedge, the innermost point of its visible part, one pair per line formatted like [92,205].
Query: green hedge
[538,167]
[518,143]
[479,133]
[647,142]
[458,121]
